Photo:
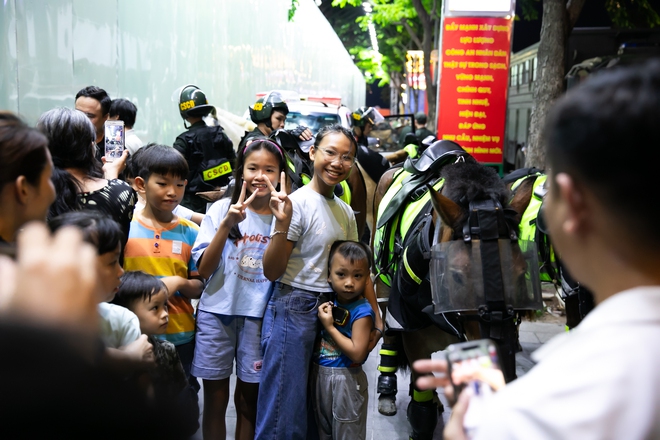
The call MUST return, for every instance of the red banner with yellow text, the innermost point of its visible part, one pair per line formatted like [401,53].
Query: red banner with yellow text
[474,77]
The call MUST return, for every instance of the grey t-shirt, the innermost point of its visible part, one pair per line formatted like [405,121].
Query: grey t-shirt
[316,223]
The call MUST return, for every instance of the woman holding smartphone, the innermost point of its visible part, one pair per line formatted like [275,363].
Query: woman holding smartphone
[78,176]
[26,190]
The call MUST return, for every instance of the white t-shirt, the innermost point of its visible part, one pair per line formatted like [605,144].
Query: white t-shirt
[316,223]
[600,381]
[238,287]
[133,143]
[119,326]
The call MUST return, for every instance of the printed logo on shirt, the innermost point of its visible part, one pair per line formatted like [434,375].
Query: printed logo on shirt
[177,247]
[258,238]
[251,263]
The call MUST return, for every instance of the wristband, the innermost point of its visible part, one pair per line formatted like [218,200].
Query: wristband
[379,331]
[275,232]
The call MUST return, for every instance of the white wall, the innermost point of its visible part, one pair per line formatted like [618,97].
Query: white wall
[143,50]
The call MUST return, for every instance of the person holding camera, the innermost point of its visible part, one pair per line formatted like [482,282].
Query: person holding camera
[600,380]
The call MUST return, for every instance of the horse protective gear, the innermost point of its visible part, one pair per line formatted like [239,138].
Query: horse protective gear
[362,115]
[192,102]
[458,283]
[387,383]
[264,108]
[423,418]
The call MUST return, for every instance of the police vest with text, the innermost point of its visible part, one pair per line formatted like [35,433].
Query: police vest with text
[211,158]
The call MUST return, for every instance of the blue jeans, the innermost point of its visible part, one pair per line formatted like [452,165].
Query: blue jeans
[288,333]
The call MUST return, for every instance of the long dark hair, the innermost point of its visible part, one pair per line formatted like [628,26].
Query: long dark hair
[23,150]
[259,144]
[71,138]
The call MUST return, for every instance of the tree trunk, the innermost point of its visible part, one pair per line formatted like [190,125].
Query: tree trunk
[549,82]
[559,18]
[428,24]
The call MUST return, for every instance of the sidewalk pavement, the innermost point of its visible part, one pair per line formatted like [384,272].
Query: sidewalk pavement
[380,427]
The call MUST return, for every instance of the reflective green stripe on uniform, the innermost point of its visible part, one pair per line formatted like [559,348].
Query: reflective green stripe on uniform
[346,196]
[528,220]
[346,193]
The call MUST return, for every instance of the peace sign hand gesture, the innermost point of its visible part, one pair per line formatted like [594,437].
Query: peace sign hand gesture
[236,213]
[280,204]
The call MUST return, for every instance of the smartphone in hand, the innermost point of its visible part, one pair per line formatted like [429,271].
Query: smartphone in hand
[340,315]
[471,356]
[114,140]
[481,353]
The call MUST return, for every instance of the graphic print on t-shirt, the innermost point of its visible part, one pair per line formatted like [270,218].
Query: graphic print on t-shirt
[250,258]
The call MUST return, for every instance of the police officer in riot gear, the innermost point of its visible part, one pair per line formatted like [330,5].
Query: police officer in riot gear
[364,119]
[208,150]
[269,113]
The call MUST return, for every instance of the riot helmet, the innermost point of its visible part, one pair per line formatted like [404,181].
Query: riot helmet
[193,102]
[264,107]
[362,115]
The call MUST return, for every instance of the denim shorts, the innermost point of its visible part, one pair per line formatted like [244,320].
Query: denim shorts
[220,339]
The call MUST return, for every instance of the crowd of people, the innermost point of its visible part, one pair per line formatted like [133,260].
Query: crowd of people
[151,259]
[135,291]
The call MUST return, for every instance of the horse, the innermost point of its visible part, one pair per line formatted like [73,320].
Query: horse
[460,208]
[577,300]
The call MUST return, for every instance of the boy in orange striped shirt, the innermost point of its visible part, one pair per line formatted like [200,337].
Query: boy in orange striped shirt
[160,243]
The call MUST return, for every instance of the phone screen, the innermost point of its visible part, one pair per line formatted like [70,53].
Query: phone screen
[472,354]
[114,140]
[340,315]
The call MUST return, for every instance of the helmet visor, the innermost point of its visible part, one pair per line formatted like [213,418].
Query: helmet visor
[373,116]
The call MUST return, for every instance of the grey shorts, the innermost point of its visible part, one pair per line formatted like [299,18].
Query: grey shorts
[219,340]
[341,399]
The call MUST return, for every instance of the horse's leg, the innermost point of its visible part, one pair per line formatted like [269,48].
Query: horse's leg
[389,355]
[424,406]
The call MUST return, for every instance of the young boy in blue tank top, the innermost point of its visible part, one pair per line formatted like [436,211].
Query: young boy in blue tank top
[339,385]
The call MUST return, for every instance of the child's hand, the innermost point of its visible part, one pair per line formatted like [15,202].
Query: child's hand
[236,213]
[280,204]
[173,283]
[325,314]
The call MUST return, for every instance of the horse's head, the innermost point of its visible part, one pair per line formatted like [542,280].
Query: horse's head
[477,260]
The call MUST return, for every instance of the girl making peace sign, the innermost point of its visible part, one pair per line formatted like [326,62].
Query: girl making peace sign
[229,250]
